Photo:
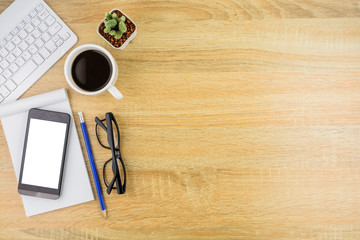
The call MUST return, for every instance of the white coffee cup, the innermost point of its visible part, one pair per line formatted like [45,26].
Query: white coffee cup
[114,75]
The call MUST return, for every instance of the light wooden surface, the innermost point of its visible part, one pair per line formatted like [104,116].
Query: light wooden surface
[241,120]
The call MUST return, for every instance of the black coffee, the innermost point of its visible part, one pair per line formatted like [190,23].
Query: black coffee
[91,70]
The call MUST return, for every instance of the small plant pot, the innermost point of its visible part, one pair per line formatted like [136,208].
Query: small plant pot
[122,42]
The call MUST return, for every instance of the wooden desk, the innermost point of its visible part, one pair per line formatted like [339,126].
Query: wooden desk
[241,120]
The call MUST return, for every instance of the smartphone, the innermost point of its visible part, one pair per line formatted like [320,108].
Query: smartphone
[44,153]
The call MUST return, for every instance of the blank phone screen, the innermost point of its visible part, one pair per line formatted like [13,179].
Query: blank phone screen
[44,153]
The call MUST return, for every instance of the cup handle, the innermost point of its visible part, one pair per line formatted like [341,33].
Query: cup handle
[115,92]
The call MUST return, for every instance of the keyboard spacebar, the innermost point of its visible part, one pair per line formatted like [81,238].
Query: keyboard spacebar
[24,72]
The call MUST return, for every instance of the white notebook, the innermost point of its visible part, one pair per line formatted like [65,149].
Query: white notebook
[76,187]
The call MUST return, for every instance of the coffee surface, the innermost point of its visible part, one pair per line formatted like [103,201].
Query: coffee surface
[91,70]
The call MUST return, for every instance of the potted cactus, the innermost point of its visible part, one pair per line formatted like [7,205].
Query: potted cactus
[117,29]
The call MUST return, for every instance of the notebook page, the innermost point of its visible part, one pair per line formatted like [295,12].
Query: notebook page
[76,186]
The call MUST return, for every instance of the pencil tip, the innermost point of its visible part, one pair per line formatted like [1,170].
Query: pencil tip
[104,212]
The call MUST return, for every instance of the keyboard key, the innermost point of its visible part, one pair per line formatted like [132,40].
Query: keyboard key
[3,52]
[3,42]
[20,61]
[4,64]
[35,21]
[39,7]
[45,37]
[29,28]
[10,58]
[65,35]
[23,46]
[51,46]
[36,33]
[56,38]
[17,52]
[38,59]
[2,80]
[33,13]
[24,72]
[59,43]
[43,27]
[9,46]
[33,49]
[21,25]
[13,67]
[26,55]
[22,34]
[50,20]
[7,73]
[54,28]
[39,43]
[9,36]
[43,14]
[27,19]
[16,40]
[10,85]
[4,91]
[15,30]
[45,53]
[29,39]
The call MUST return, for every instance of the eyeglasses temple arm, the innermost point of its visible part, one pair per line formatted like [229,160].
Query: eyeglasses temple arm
[98,121]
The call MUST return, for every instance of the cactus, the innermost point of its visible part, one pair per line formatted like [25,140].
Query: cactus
[111,23]
[114,25]
[118,35]
[108,16]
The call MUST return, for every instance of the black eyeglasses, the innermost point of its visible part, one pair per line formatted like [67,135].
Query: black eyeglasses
[112,130]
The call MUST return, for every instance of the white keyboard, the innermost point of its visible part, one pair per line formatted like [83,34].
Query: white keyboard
[29,48]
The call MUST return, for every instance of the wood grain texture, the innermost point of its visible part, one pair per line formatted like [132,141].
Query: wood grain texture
[241,120]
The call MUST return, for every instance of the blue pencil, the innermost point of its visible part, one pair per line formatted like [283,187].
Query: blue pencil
[92,164]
